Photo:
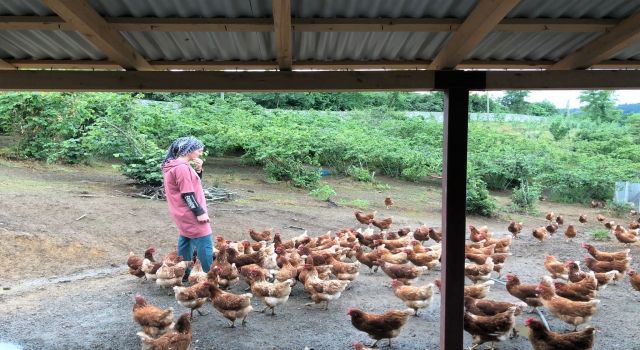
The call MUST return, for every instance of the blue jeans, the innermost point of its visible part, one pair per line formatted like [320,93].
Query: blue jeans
[202,245]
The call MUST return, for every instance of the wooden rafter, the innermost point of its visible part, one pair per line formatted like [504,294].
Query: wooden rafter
[480,22]
[283,35]
[6,65]
[603,47]
[173,24]
[85,19]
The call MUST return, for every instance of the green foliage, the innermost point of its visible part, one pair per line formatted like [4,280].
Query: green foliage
[600,235]
[525,197]
[143,168]
[360,174]
[356,203]
[478,104]
[599,105]
[559,129]
[323,192]
[620,209]
[514,101]
[290,170]
[478,199]
[543,109]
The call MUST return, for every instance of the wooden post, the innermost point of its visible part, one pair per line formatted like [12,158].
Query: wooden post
[454,184]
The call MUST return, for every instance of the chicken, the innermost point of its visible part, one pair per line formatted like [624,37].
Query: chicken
[556,268]
[287,272]
[479,273]
[403,272]
[595,203]
[169,275]
[515,228]
[489,328]
[261,236]
[606,256]
[498,258]
[135,265]
[245,259]
[388,202]
[177,339]
[634,279]
[501,244]
[625,236]
[602,278]
[484,307]
[227,274]
[271,294]
[634,225]
[382,224]
[343,270]
[188,297]
[367,259]
[582,218]
[379,326]
[550,216]
[559,220]
[539,233]
[231,306]
[571,312]
[543,339]
[434,234]
[429,259]
[477,291]
[154,321]
[551,228]
[600,217]
[575,291]
[398,258]
[484,250]
[610,224]
[421,233]
[413,297]
[197,274]
[475,235]
[363,218]
[525,292]
[605,266]
[322,290]
[418,247]
[570,233]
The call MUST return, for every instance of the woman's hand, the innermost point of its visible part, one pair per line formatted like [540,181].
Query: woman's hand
[203,218]
[197,164]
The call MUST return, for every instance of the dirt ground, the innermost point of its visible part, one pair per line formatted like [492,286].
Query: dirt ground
[65,233]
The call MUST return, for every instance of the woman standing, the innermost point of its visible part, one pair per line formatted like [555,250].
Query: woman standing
[185,197]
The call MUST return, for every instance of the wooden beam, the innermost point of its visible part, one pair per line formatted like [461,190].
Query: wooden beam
[350,64]
[604,46]
[480,22]
[181,24]
[214,65]
[4,65]
[65,64]
[570,80]
[87,21]
[282,26]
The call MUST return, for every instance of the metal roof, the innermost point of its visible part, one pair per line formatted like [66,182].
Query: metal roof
[357,44]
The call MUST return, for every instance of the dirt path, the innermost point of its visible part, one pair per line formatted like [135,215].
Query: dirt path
[65,233]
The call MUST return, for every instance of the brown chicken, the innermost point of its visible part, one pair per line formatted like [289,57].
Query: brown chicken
[606,256]
[227,274]
[582,218]
[388,202]
[539,233]
[477,291]
[570,233]
[479,273]
[154,321]
[421,233]
[625,236]
[634,225]
[367,259]
[600,217]
[556,268]
[188,297]
[382,224]
[322,290]
[574,291]
[170,274]
[559,220]
[550,216]
[177,339]
[413,297]
[605,266]
[417,247]
[363,218]
[543,339]
[271,294]
[571,312]
[485,307]
[525,292]
[233,257]
[403,272]
[231,306]
[577,275]
[595,203]
[634,279]
[379,326]
[610,224]
[429,259]
[434,234]
[489,328]
[501,244]
[515,228]
[343,270]
[475,235]
[135,263]
[261,236]
[551,228]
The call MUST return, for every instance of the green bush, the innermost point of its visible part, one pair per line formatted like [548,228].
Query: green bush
[525,197]
[478,199]
[600,235]
[290,170]
[620,209]
[323,192]
[360,174]
[143,168]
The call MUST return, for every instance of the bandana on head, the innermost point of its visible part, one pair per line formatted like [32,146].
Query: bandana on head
[181,147]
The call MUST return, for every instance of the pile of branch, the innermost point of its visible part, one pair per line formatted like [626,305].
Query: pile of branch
[212,194]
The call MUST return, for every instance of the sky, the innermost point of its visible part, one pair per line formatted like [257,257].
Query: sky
[560,97]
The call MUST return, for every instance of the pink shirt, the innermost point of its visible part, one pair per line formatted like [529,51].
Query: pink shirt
[180,178]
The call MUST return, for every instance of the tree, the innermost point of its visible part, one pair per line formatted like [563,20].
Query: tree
[599,105]
[514,101]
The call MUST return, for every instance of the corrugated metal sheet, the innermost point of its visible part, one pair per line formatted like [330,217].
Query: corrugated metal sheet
[41,45]
[183,8]
[381,8]
[203,46]
[630,53]
[575,9]
[530,46]
[24,8]
[367,46]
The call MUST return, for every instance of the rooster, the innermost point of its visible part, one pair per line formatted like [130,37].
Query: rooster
[231,306]
[489,328]
[379,326]
[178,339]
[154,321]
[543,339]
[413,297]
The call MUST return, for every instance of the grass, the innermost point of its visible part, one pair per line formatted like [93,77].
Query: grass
[600,235]
[356,203]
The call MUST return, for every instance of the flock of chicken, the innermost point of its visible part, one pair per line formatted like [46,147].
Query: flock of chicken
[325,265]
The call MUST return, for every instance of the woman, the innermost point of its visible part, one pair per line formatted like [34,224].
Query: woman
[185,197]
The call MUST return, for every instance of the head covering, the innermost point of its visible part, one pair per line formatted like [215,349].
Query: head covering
[181,147]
